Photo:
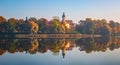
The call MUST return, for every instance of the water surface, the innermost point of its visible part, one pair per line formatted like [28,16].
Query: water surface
[84,51]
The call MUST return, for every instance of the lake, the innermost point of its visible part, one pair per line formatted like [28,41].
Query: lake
[83,51]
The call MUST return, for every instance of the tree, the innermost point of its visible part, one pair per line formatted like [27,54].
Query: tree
[23,28]
[55,26]
[2,19]
[106,28]
[90,26]
[2,24]
[43,24]
[33,19]
[11,25]
[89,19]
[86,27]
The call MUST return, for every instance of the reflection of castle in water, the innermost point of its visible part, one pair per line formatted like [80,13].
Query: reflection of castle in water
[33,46]
[36,45]
[66,45]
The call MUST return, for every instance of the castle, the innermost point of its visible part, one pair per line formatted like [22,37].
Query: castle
[70,23]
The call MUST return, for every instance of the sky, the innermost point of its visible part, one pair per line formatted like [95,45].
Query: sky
[75,10]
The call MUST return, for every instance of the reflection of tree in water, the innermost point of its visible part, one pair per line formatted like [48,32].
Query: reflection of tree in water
[54,45]
[48,44]
[33,46]
[97,44]
[115,44]
[92,44]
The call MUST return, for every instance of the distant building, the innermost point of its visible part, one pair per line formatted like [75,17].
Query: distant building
[26,20]
[70,22]
[63,17]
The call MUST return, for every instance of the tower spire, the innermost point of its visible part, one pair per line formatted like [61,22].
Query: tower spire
[63,15]
[26,20]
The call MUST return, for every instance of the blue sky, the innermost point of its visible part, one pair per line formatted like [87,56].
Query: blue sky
[74,9]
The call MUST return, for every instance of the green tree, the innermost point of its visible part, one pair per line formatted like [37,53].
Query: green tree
[23,28]
[11,25]
[43,25]
[55,26]
[86,26]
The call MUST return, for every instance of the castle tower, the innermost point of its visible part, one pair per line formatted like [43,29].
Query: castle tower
[63,17]
[26,20]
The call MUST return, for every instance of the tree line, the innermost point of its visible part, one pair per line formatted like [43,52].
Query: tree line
[87,26]
[103,27]
[13,25]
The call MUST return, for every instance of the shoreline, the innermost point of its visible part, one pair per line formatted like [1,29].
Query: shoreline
[55,35]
